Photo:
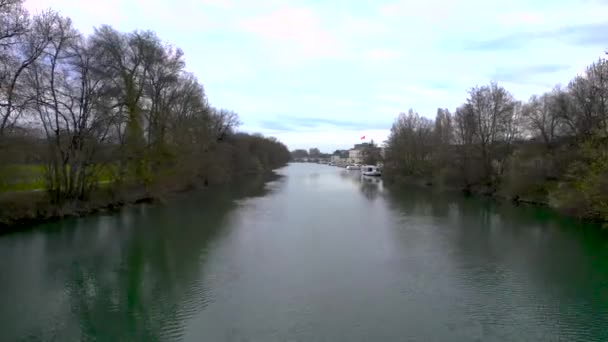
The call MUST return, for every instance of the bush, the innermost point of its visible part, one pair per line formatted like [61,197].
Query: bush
[584,190]
[526,173]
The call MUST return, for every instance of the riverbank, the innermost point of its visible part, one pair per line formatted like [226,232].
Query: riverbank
[22,210]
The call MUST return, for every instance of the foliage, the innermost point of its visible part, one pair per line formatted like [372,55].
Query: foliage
[21,177]
[112,107]
[370,154]
[535,163]
[410,145]
[584,189]
[314,152]
[299,154]
[550,149]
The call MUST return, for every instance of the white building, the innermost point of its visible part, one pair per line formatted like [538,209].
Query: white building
[354,156]
[336,159]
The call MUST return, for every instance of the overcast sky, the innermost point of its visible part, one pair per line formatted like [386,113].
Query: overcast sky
[325,72]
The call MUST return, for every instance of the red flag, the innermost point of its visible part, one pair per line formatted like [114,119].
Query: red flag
[363,137]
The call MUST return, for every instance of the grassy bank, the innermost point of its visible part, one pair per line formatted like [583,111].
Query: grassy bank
[20,210]
[31,177]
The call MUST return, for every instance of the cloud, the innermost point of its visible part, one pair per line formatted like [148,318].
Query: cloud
[382,54]
[527,74]
[94,13]
[432,11]
[580,35]
[438,84]
[290,124]
[522,18]
[364,26]
[329,140]
[344,124]
[593,34]
[295,32]
[509,42]
[162,16]
[274,125]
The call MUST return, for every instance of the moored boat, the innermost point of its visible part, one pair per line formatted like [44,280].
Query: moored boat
[371,170]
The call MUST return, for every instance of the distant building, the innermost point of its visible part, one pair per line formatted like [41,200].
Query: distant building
[360,146]
[354,156]
[336,158]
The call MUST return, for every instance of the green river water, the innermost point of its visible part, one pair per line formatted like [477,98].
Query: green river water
[318,254]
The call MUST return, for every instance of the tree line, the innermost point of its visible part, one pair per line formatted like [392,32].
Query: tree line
[112,102]
[551,149]
[312,154]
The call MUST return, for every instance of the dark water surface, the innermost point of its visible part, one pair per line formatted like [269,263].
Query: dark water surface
[317,255]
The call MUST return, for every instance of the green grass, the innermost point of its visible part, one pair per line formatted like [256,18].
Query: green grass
[21,177]
[30,177]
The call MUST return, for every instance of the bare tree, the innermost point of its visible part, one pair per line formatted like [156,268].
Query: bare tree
[465,136]
[164,74]
[67,103]
[410,143]
[14,22]
[190,134]
[541,117]
[224,121]
[597,76]
[493,110]
[444,127]
[124,62]
[24,45]
[464,120]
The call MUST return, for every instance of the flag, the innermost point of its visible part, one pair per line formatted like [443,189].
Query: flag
[363,137]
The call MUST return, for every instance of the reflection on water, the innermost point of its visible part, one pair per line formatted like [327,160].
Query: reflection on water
[129,276]
[538,270]
[371,187]
[320,253]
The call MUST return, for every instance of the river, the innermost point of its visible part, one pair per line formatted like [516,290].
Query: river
[318,254]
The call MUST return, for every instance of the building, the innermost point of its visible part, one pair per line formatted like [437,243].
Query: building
[336,158]
[355,156]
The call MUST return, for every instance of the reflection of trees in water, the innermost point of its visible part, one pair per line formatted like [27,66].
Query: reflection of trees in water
[549,258]
[141,281]
[370,187]
[507,255]
[419,201]
[350,175]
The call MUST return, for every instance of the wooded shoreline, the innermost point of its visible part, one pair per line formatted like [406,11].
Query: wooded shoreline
[107,119]
[551,149]
[20,211]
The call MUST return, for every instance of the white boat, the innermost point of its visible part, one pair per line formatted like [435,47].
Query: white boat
[371,170]
[353,167]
